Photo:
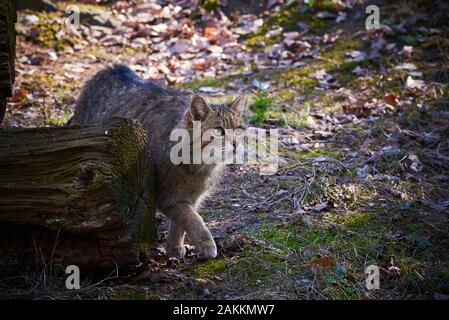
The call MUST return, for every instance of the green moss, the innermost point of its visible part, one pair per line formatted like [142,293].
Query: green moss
[207,268]
[88,7]
[318,236]
[336,55]
[261,269]
[281,237]
[352,220]
[206,213]
[48,26]
[128,162]
[209,5]
[261,40]
[344,72]
[351,240]
[286,18]
[299,78]
[56,121]
[318,25]
[286,94]
[313,153]
[290,118]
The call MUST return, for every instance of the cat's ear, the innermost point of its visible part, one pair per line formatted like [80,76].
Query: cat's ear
[199,108]
[238,104]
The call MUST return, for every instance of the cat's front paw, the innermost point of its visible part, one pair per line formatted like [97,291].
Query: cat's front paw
[207,249]
[176,251]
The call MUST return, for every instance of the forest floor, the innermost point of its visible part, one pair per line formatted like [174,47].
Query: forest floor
[363,117]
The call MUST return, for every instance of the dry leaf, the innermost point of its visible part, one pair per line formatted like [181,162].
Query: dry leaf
[19,94]
[391,99]
[325,263]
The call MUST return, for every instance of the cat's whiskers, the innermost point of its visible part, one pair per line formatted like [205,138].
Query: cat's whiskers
[206,165]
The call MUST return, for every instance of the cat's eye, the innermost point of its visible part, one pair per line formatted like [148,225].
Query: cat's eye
[239,131]
[219,132]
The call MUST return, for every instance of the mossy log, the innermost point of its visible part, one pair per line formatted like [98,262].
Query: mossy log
[76,195]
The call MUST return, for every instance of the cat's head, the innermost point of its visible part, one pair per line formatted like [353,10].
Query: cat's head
[215,115]
[223,120]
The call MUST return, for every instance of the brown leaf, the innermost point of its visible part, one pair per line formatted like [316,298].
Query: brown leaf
[19,94]
[201,64]
[325,263]
[211,34]
[391,99]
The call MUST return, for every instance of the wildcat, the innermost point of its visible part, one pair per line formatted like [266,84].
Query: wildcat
[117,91]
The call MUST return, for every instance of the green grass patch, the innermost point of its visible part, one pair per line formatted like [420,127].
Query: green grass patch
[260,106]
[207,268]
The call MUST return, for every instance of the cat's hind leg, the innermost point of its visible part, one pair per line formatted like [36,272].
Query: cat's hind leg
[175,241]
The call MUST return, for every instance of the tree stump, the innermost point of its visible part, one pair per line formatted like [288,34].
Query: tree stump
[8,18]
[76,195]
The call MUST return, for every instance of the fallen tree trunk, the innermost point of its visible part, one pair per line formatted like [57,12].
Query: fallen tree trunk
[76,195]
